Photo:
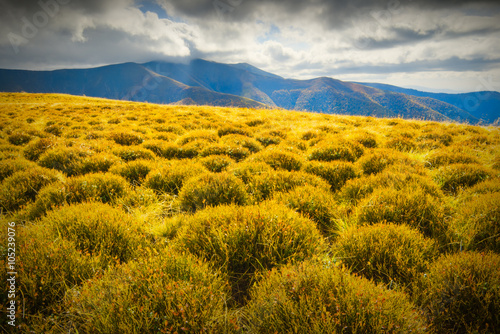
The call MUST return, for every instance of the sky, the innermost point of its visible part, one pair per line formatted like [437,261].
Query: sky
[442,46]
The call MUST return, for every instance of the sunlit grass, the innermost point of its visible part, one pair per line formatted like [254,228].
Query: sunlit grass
[189,205]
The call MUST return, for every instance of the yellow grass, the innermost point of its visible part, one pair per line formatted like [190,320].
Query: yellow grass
[165,167]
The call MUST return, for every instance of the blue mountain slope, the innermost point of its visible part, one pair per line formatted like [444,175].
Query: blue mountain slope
[484,105]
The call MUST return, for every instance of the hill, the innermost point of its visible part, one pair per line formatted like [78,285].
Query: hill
[127,217]
[242,85]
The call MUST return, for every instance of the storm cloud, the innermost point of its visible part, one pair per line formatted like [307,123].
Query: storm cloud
[356,40]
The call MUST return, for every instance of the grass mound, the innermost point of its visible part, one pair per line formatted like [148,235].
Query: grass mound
[48,267]
[314,203]
[135,171]
[76,161]
[97,229]
[171,177]
[246,170]
[413,207]
[35,149]
[335,173]
[386,253]
[316,297]
[11,166]
[461,293]
[217,163]
[240,140]
[356,190]
[376,161]
[278,159]
[477,222]
[163,293]
[243,240]
[22,187]
[262,186]
[439,159]
[453,178]
[105,188]
[336,150]
[211,189]
[130,153]
[126,138]
[235,152]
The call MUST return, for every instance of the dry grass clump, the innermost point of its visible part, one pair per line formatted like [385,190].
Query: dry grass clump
[402,144]
[10,166]
[169,178]
[244,240]
[314,203]
[413,207]
[319,297]
[357,189]
[97,229]
[48,267]
[134,171]
[19,138]
[270,138]
[105,188]
[239,140]
[76,160]
[443,158]
[161,293]
[131,153]
[217,163]
[246,170]
[237,153]
[455,177]
[35,149]
[386,253]
[211,189]
[461,293]
[262,186]
[330,150]
[232,130]
[477,222]
[278,159]
[196,135]
[377,160]
[126,138]
[22,187]
[335,173]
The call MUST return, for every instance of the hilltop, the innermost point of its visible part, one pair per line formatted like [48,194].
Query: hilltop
[145,218]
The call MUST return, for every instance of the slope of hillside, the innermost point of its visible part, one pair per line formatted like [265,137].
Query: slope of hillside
[127,217]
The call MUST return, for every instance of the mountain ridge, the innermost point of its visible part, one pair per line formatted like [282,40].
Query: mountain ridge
[243,85]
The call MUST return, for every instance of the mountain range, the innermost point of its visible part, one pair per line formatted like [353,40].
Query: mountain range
[202,82]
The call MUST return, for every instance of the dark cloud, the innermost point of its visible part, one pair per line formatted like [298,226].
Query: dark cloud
[331,12]
[291,37]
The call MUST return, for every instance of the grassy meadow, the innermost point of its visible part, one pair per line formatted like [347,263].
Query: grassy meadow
[143,218]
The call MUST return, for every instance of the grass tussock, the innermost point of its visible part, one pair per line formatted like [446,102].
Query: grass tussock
[394,255]
[461,293]
[319,297]
[245,240]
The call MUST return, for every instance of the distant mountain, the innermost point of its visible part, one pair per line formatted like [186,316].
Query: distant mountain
[484,105]
[204,82]
[128,81]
